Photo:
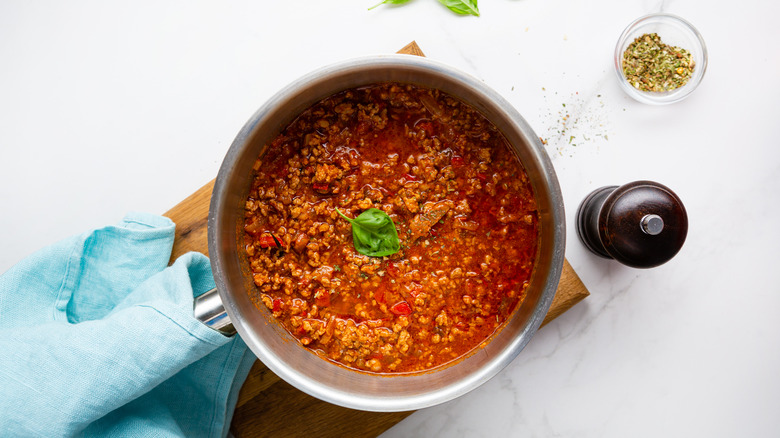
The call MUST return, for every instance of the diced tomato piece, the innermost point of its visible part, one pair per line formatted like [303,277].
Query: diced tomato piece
[256,227]
[482,176]
[280,169]
[401,308]
[363,127]
[322,298]
[457,160]
[379,295]
[320,186]
[277,305]
[410,177]
[377,356]
[426,126]
[415,289]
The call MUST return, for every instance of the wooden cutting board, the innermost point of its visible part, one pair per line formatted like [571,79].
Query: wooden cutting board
[269,406]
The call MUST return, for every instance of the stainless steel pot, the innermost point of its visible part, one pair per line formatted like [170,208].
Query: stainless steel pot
[279,350]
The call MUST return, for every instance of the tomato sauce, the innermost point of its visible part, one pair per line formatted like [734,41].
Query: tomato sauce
[462,204]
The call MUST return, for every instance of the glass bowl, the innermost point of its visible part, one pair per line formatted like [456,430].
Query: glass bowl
[673,31]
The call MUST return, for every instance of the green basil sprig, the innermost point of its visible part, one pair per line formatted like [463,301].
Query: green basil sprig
[462,7]
[374,233]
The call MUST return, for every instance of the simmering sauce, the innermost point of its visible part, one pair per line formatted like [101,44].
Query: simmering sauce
[462,205]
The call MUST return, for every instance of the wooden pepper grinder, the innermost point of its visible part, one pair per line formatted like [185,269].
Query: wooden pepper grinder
[641,224]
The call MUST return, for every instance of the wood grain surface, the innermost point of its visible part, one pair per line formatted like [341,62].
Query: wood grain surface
[269,406]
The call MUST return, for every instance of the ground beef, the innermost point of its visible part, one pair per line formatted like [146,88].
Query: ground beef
[462,205]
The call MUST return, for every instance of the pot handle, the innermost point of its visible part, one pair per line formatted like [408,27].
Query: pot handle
[209,310]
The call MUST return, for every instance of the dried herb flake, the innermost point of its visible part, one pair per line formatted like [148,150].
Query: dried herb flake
[651,65]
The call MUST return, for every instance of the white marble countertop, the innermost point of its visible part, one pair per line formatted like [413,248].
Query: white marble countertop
[110,107]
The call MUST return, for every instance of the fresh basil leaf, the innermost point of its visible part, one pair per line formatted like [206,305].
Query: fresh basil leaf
[390,2]
[363,238]
[374,233]
[462,7]
[373,219]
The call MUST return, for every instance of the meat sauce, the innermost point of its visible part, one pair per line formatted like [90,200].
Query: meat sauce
[462,205]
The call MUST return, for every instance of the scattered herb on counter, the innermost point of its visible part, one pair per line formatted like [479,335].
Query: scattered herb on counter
[651,65]
[460,7]
[575,121]
[373,233]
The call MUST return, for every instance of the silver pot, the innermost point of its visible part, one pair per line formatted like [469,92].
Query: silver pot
[283,354]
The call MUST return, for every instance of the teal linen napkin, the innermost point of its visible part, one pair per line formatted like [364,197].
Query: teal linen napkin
[97,338]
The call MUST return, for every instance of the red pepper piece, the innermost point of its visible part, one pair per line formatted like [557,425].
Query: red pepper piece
[410,177]
[268,241]
[401,308]
[277,305]
[457,160]
[392,269]
[482,176]
[320,187]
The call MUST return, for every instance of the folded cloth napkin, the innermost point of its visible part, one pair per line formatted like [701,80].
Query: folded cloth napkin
[97,338]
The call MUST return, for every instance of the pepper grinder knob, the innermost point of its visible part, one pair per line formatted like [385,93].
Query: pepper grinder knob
[642,224]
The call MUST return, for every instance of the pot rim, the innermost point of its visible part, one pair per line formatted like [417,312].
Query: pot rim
[220,251]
